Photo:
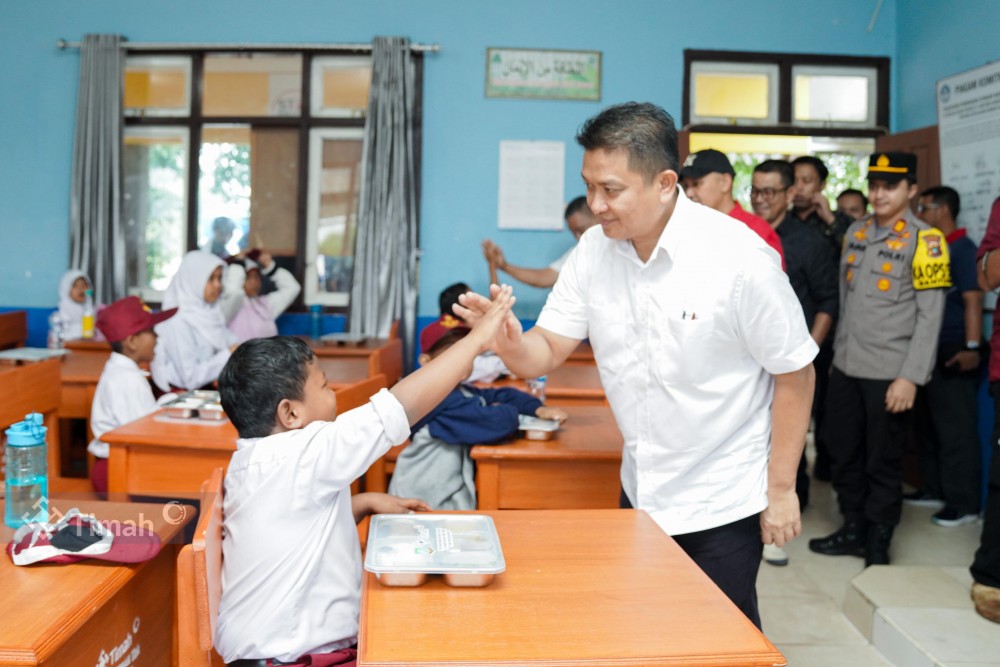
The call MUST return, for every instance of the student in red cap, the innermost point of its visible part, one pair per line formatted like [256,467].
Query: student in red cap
[123,392]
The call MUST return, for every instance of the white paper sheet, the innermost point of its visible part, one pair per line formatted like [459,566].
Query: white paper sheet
[531,184]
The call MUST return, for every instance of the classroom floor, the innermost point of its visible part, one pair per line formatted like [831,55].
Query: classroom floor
[802,604]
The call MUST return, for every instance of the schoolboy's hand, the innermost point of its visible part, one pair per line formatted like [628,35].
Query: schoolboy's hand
[383,503]
[545,412]
[472,308]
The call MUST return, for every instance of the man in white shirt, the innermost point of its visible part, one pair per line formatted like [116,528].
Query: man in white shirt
[701,346]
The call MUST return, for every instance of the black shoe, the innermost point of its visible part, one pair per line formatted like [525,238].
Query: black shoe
[848,541]
[877,546]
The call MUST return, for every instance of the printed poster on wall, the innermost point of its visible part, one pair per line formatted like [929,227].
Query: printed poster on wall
[546,74]
[531,185]
[969,127]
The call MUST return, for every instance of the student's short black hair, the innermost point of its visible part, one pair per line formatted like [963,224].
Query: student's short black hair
[449,296]
[813,162]
[645,132]
[856,193]
[117,346]
[260,374]
[780,167]
[575,206]
[944,196]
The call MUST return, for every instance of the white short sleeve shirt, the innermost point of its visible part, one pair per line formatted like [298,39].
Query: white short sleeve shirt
[561,262]
[686,344]
[291,572]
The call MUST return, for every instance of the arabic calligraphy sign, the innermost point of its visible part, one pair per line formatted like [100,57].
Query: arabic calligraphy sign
[545,74]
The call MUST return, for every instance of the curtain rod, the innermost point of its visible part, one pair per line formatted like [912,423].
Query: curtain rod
[172,46]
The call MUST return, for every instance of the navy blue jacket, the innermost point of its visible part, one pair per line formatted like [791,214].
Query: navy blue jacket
[488,417]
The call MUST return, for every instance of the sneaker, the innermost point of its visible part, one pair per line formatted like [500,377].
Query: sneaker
[949,518]
[922,498]
[775,555]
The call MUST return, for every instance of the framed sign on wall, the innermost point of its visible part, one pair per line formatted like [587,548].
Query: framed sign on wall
[543,74]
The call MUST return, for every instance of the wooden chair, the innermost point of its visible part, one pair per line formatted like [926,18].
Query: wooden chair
[387,360]
[394,329]
[13,329]
[199,581]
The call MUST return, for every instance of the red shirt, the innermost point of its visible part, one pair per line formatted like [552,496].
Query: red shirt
[760,226]
[991,241]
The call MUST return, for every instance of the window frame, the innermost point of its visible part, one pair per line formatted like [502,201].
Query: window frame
[785,62]
[304,122]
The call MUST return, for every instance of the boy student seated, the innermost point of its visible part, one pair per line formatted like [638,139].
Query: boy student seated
[437,465]
[487,367]
[195,345]
[249,313]
[291,573]
[123,393]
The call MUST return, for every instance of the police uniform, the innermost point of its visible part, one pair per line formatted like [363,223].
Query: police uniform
[891,306]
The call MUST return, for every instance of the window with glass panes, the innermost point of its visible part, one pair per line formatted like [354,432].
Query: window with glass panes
[227,151]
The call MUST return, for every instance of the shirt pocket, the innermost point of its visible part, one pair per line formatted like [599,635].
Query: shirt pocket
[886,279]
[686,353]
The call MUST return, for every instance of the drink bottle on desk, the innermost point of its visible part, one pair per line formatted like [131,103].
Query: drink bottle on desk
[26,478]
[88,315]
[316,321]
[57,331]
[536,388]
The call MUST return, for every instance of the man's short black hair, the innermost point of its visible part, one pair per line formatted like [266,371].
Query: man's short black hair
[856,193]
[945,196]
[781,167]
[813,162]
[575,206]
[645,132]
[449,296]
[260,374]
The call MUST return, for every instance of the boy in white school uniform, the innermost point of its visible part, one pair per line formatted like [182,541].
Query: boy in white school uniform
[291,574]
[123,393]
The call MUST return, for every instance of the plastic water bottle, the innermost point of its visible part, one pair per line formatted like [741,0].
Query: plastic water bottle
[57,331]
[316,321]
[88,314]
[26,478]
[536,388]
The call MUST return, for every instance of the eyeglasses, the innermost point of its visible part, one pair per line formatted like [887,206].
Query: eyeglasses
[926,207]
[765,193]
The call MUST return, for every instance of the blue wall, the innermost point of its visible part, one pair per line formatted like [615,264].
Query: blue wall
[641,41]
[938,39]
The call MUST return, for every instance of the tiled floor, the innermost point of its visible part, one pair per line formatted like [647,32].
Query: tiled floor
[802,604]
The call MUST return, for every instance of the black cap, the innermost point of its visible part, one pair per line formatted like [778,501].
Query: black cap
[705,162]
[892,167]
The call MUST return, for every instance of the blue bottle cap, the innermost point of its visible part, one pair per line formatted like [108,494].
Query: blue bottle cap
[28,433]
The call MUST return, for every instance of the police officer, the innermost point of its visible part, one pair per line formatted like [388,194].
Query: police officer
[893,273]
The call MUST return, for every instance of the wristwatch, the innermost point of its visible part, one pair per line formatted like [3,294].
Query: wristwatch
[972,345]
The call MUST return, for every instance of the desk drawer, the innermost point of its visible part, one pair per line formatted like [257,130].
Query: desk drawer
[559,485]
[165,472]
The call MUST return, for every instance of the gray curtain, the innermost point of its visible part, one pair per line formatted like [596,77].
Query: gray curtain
[97,242]
[385,256]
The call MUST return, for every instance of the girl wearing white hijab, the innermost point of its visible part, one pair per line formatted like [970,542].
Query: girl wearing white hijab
[195,344]
[72,294]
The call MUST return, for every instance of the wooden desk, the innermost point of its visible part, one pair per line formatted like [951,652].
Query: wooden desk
[80,371]
[343,371]
[34,387]
[583,354]
[570,384]
[88,345]
[578,469]
[584,587]
[68,615]
[330,349]
[167,458]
